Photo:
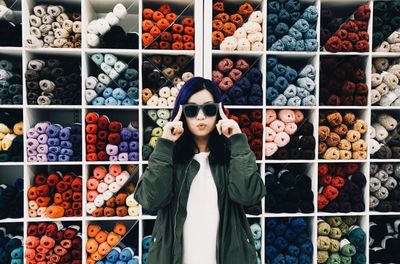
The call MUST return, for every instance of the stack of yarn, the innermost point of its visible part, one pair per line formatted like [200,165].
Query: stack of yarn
[164,29]
[341,188]
[117,83]
[55,195]
[386,37]
[11,136]
[240,31]
[385,82]
[256,231]
[9,26]
[51,26]
[384,136]
[163,76]
[11,247]
[53,81]
[120,255]
[53,242]
[250,123]
[108,141]
[12,197]
[341,240]
[152,132]
[292,26]
[289,135]
[239,81]
[341,136]
[100,241]
[384,239]
[288,240]
[10,82]
[104,32]
[147,243]
[345,34]
[109,193]
[290,87]
[384,187]
[288,190]
[53,142]
[343,81]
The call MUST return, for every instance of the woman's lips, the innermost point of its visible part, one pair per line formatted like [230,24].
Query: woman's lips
[201,126]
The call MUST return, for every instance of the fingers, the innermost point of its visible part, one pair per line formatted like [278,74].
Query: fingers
[221,111]
[179,114]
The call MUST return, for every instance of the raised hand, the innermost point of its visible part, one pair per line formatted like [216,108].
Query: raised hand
[174,129]
[226,126]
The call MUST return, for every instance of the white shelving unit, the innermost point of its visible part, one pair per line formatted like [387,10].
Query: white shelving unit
[203,58]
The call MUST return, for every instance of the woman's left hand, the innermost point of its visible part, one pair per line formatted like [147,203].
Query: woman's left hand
[228,127]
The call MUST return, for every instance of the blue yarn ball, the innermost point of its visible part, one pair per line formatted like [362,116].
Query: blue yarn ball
[290,91]
[281,84]
[284,15]
[107,92]
[300,45]
[302,93]
[256,90]
[310,14]
[290,260]
[289,42]
[294,17]
[270,237]
[281,100]
[279,70]
[294,101]
[307,247]
[271,62]
[278,46]
[270,223]
[302,238]
[292,6]
[271,78]
[294,33]
[254,100]
[281,29]
[280,243]
[271,39]
[271,252]
[272,19]
[235,91]
[279,259]
[280,229]
[274,7]
[294,250]
[290,235]
[310,100]
[290,74]
[254,75]
[310,45]
[310,34]
[304,259]
[298,224]
[301,25]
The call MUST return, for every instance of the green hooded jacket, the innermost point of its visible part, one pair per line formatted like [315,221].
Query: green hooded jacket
[165,186]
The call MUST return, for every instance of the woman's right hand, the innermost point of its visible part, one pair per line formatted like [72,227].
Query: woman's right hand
[174,129]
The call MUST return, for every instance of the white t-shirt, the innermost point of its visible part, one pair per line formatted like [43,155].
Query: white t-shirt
[201,225]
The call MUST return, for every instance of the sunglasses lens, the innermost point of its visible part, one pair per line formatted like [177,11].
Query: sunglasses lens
[191,110]
[210,109]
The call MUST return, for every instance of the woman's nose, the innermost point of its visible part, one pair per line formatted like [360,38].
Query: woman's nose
[200,114]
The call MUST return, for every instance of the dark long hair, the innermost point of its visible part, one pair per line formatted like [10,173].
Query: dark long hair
[185,145]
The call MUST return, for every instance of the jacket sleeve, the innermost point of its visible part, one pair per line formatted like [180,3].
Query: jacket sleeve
[154,188]
[245,185]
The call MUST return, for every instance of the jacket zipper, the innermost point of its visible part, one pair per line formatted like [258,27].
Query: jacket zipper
[177,207]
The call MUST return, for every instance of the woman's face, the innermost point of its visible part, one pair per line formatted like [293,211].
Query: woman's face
[201,125]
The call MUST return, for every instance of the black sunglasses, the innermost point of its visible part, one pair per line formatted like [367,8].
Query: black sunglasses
[191,110]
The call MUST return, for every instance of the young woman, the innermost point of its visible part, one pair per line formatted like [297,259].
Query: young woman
[199,176]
